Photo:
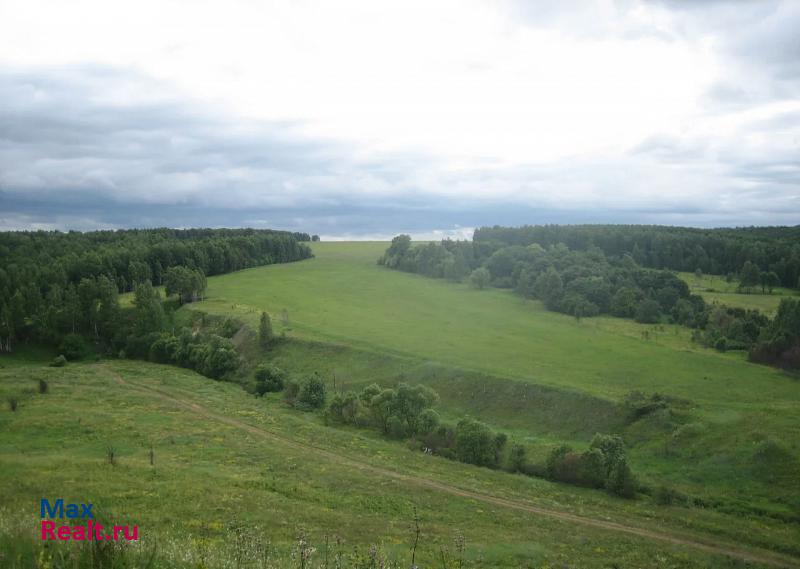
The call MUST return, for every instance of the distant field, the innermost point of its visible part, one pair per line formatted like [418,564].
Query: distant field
[480,349]
[226,460]
[716,289]
[342,295]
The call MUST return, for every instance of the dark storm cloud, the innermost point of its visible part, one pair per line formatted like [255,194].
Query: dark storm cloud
[51,130]
[73,154]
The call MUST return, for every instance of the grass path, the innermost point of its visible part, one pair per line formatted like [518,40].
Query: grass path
[748,555]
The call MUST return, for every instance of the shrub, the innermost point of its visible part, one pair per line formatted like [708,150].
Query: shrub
[592,470]
[227,328]
[395,428]
[603,465]
[220,358]
[269,379]
[265,334]
[59,361]
[638,405]
[428,421]
[475,443]
[74,347]
[621,481]
[164,349]
[348,409]
[335,411]
[516,458]
[648,311]
[554,460]
[312,393]
[480,278]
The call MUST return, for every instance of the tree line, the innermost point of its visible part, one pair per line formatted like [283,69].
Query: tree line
[589,282]
[713,251]
[62,288]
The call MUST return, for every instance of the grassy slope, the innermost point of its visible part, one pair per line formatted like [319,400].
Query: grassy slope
[715,289]
[404,326]
[211,475]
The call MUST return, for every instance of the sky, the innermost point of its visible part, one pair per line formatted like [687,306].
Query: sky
[364,119]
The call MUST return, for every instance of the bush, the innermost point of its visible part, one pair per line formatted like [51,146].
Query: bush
[312,393]
[348,409]
[648,312]
[395,428]
[480,278]
[621,481]
[592,471]
[269,379]
[516,458]
[603,465]
[428,421]
[554,460]
[59,361]
[74,347]
[476,443]
[227,328]
[638,405]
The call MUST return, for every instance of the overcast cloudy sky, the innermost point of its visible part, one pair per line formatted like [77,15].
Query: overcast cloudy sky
[367,118]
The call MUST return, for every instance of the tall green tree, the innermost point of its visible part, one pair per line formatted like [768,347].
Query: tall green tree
[549,288]
[475,443]
[480,278]
[749,277]
[148,310]
[265,335]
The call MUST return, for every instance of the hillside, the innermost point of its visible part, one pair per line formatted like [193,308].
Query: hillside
[479,342]
[234,477]
[227,462]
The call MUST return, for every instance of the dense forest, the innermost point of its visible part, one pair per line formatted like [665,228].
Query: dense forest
[627,271]
[713,251]
[62,288]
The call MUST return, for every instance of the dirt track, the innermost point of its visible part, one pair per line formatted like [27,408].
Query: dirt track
[750,555]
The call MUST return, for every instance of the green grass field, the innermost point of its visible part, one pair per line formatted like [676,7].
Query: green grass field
[717,290]
[492,342]
[728,440]
[225,460]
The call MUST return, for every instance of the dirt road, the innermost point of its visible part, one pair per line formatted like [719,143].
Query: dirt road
[752,555]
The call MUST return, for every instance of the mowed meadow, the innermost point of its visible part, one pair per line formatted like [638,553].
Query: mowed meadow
[718,290]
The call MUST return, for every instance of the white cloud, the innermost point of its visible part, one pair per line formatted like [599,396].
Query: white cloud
[618,106]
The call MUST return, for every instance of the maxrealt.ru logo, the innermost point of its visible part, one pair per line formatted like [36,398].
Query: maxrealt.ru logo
[88,532]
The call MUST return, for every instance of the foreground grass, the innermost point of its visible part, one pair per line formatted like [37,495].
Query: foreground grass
[213,477]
